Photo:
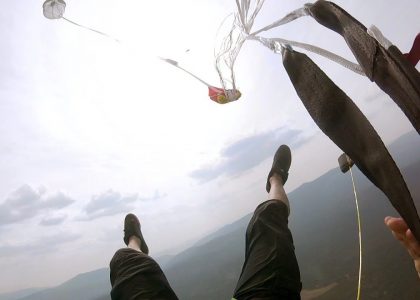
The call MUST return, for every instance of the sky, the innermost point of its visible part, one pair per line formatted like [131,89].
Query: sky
[92,129]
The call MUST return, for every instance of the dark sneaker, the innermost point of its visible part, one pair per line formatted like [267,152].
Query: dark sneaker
[281,164]
[132,227]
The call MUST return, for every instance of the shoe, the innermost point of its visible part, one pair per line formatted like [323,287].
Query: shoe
[281,165]
[132,227]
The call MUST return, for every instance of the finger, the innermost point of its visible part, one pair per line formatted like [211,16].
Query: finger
[396,224]
[417,265]
[412,240]
[398,236]
[387,218]
[413,244]
[402,238]
[399,229]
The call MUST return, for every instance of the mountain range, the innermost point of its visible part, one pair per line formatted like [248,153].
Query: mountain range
[324,226]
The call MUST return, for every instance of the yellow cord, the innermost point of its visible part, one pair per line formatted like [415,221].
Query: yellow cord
[360,236]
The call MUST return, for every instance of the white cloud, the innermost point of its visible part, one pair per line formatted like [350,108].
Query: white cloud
[52,221]
[40,246]
[26,203]
[248,152]
[112,203]
[83,113]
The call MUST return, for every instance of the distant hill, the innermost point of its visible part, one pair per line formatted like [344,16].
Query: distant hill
[326,242]
[19,294]
[323,222]
[88,286]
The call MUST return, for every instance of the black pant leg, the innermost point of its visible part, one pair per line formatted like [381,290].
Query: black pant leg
[270,270]
[136,276]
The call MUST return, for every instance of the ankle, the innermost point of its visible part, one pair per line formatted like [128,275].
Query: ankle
[134,243]
[277,191]
[276,179]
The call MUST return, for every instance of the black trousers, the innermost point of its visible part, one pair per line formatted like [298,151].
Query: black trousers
[270,270]
[135,275]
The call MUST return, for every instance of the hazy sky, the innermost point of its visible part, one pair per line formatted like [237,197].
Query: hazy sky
[91,129]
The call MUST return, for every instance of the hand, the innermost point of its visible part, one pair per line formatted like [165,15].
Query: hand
[401,232]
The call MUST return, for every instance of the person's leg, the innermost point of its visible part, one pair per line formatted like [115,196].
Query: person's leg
[270,270]
[134,243]
[133,273]
[277,191]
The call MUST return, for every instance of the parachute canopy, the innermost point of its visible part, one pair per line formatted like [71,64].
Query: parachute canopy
[54,9]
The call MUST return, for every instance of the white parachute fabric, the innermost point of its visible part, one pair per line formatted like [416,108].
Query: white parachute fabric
[300,12]
[240,32]
[243,11]
[231,45]
[276,45]
[226,56]
[54,9]
[374,32]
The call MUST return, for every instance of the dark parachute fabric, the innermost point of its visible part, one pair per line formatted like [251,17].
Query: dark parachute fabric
[342,121]
[391,71]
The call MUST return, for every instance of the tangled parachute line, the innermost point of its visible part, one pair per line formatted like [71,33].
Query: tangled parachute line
[240,32]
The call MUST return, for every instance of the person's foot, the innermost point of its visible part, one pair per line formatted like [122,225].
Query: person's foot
[281,164]
[132,228]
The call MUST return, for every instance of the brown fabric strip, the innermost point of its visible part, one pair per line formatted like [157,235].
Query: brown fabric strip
[342,121]
[388,68]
